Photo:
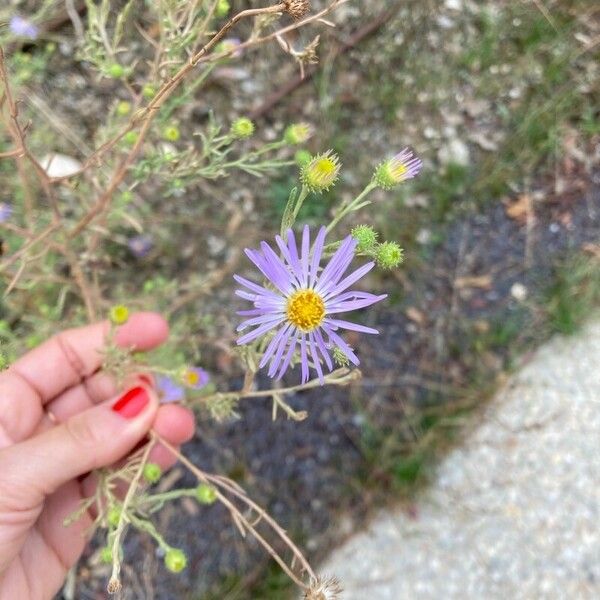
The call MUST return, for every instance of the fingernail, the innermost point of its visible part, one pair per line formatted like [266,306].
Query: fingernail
[132,403]
[146,379]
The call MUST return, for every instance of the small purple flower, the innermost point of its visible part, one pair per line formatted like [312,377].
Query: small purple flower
[5,211]
[20,26]
[302,308]
[198,379]
[140,245]
[168,390]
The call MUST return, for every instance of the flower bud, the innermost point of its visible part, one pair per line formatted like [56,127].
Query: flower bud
[389,255]
[131,137]
[175,560]
[340,358]
[321,172]
[106,555]
[302,157]
[119,314]
[116,71]
[113,516]
[171,133]
[206,494]
[223,8]
[152,472]
[148,91]
[242,128]
[395,170]
[298,133]
[366,237]
[123,108]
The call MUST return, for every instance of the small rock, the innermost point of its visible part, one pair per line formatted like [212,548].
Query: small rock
[454,152]
[60,165]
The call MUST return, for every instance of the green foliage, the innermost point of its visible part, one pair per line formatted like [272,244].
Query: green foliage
[574,295]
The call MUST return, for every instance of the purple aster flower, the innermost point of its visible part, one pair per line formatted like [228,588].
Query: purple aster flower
[23,28]
[5,211]
[140,245]
[301,311]
[196,377]
[168,390]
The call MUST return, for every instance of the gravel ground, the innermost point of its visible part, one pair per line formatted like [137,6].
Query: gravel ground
[513,513]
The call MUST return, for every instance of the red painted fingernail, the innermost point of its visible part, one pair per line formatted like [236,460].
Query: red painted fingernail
[132,403]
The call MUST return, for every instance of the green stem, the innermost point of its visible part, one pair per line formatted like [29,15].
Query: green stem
[351,206]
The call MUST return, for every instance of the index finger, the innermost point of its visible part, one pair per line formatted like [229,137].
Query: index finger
[74,354]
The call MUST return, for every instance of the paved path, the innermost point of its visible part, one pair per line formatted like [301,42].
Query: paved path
[515,512]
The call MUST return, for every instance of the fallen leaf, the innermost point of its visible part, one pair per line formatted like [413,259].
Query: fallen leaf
[520,209]
[483,282]
[414,314]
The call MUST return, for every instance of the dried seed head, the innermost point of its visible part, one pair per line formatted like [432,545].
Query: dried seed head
[324,589]
[297,8]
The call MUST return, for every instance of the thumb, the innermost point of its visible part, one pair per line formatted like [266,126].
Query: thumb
[98,437]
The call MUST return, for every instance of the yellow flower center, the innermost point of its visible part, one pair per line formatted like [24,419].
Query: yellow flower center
[191,377]
[306,310]
[398,171]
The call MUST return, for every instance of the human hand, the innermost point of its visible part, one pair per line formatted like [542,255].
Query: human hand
[60,418]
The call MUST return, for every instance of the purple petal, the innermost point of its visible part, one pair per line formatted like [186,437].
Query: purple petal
[259,289]
[295,261]
[316,359]
[316,258]
[350,326]
[279,280]
[348,281]
[278,356]
[258,321]
[273,344]
[323,348]
[249,337]
[288,359]
[338,263]
[304,359]
[305,253]
[335,306]
[278,265]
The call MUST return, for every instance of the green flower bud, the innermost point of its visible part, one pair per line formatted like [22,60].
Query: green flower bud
[175,560]
[298,133]
[113,516]
[119,314]
[223,8]
[116,71]
[152,473]
[321,172]
[389,255]
[206,494]
[394,171]
[149,91]
[171,133]
[242,128]
[366,237]
[131,137]
[302,157]
[340,358]
[126,197]
[123,108]
[106,555]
